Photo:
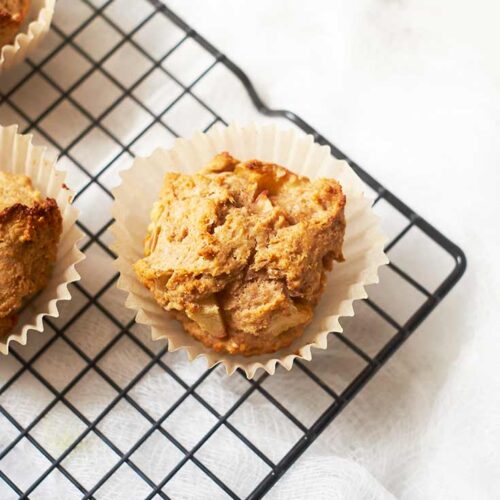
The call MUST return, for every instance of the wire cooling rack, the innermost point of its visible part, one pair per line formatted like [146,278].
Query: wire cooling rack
[115,79]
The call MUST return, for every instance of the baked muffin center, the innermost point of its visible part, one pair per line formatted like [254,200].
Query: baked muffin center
[238,251]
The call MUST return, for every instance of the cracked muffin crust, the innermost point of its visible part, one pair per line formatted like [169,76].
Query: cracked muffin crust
[12,14]
[239,252]
[30,228]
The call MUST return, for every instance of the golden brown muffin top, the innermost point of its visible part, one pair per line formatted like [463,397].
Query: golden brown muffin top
[30,227]
[14,9]
[15,188]
[12,14]
[242,246]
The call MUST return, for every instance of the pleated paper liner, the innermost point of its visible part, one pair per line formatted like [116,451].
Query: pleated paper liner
[31,33]
[18,155]
[363,245]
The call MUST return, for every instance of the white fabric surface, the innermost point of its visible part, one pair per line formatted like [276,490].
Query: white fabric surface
[411,91]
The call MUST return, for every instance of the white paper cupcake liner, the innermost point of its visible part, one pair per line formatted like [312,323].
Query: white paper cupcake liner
[363,244]
[18,155]
[32,31]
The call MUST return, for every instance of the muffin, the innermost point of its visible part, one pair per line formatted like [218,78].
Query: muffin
[30,228]
[12,15]
[238,252]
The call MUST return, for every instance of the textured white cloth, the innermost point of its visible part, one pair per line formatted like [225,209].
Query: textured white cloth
[411,91]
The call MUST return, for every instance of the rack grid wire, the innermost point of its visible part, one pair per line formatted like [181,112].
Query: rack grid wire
[146,90]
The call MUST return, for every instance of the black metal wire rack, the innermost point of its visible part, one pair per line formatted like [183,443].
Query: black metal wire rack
[143,93]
